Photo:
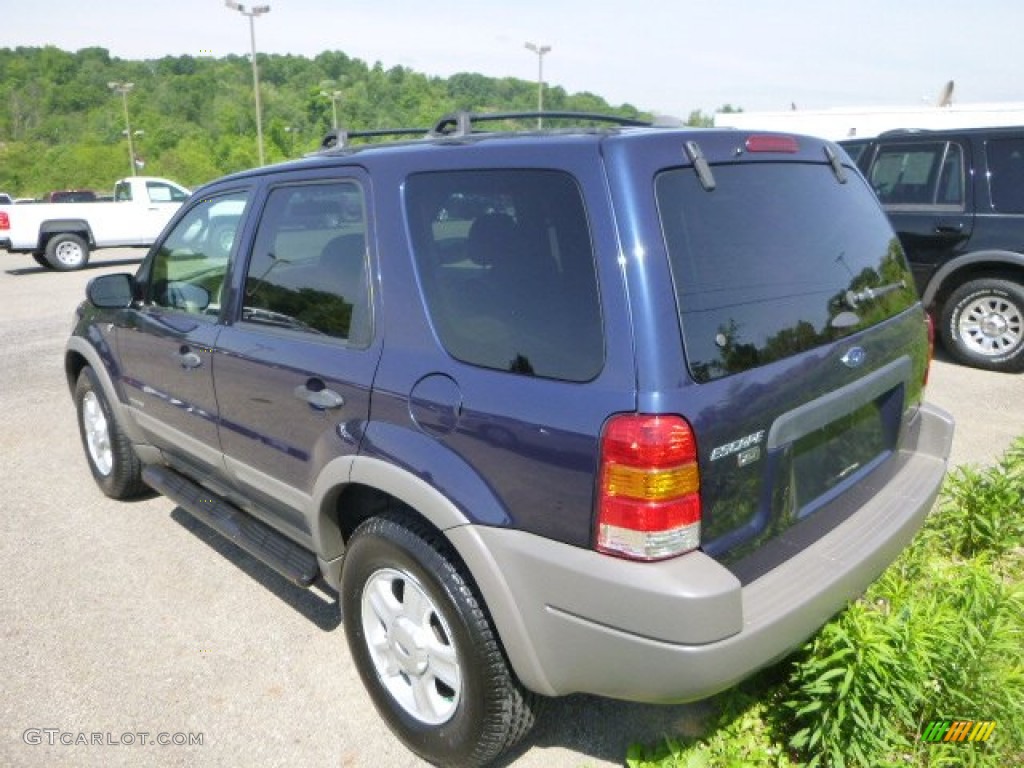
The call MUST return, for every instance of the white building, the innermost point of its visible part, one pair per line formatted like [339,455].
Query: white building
[849,122]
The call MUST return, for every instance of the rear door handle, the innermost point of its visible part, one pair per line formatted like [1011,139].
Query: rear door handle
[316,393]
[953,230]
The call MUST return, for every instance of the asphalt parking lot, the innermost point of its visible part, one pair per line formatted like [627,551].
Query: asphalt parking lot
[127,619]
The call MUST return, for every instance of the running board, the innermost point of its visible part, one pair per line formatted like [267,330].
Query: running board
[292,561]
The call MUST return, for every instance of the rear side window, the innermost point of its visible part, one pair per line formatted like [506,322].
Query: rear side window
[1006,174]
[779,258]
[507,270]
[926,174]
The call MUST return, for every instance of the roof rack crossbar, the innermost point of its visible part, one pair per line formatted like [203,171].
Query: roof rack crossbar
[339,138]
[461,123]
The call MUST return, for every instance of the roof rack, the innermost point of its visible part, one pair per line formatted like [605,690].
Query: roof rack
[461,123]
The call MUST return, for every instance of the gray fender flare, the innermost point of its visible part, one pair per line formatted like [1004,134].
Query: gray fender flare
[78,345]
[440,511]
[444,515]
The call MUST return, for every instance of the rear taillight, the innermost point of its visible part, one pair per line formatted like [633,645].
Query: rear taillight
[5,221]
[930,325]
[648,505]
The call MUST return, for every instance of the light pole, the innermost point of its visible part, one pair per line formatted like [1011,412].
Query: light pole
[540,50]
[257,10]
[124,89]
[330,92]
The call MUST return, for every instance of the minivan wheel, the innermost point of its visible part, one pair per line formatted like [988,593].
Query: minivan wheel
[425,647]
[67,251]
[983,324]
[112,460]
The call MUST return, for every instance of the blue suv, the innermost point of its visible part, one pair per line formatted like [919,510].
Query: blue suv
[617,409]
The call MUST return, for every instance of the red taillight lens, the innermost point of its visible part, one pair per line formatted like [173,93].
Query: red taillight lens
[772,143]
[930,324]
[5,221]
[648,505]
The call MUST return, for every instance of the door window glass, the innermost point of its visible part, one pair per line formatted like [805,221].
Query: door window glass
[925,174]
[191,263]
[308,270]
[1006,174]
[160,192]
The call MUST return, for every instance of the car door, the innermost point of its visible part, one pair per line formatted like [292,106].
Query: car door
[166,345]
[923,186]
[297,361]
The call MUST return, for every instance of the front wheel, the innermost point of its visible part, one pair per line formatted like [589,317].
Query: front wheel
[983,324]
[112,460]
[425,647]
[67,251]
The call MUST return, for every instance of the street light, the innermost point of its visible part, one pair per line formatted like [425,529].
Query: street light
[257,10]
[124,89]
[540,50]
[328,91]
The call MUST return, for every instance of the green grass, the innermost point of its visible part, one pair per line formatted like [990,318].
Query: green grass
[939,635]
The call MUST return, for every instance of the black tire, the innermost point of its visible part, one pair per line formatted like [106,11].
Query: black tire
[982,324]
[487,711]
[112,460]
[40,259]
[67,251]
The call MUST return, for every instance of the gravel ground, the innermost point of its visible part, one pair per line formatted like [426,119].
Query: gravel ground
[127,619]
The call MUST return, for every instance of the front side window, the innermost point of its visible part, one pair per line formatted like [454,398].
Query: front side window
[927,174]
[1006,174]
[190,266]
[308,270]
[506,266]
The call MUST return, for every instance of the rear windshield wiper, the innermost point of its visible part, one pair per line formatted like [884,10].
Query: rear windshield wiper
[855,298]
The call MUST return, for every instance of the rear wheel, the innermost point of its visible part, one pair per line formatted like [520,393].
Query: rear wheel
[425,647]
[40,259]
[983,324]
[112,460]
[67,251]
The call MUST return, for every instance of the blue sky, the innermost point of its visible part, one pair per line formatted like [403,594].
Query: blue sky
[663,56]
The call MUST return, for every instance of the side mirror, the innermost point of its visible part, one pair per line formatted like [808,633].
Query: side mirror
[110,291]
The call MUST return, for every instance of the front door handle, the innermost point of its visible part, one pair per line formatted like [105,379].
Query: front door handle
[188,358]
[316,393]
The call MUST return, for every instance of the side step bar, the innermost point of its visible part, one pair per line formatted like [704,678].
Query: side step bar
[295,563]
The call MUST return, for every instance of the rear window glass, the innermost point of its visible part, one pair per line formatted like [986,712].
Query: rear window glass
[779,258]
[507,269]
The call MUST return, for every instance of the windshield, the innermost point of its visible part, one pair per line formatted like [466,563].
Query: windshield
[779,258]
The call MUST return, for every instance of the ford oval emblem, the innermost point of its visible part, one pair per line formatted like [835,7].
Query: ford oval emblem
[854,357]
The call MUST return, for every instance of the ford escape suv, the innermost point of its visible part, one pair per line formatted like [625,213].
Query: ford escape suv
[609,408]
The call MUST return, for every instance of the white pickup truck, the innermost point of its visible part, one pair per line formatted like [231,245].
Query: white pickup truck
[61,235]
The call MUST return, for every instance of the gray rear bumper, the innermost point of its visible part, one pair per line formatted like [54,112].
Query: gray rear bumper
[573,620]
